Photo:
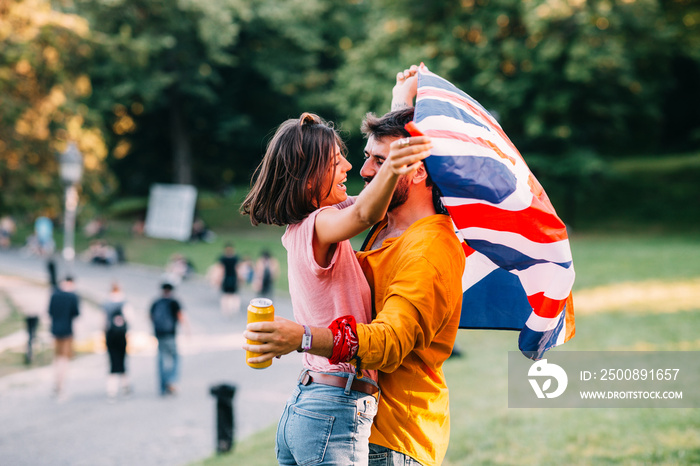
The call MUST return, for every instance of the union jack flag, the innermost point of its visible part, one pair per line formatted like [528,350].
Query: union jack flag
[519,270]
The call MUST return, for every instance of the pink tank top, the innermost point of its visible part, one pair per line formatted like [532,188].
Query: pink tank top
[322,294]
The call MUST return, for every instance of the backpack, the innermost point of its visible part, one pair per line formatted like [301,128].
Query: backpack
[116,323]
[162,316]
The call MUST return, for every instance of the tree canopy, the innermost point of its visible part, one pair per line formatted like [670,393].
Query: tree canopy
[189,91]
[43,90]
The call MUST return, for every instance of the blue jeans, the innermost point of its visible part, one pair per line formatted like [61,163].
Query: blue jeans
[382,456]
[325,425]
[167,362]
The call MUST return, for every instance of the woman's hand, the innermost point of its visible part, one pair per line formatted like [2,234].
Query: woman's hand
[405,89]
[405,154]
[277,338]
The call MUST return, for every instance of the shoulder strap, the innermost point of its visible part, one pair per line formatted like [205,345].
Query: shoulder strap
[369,239]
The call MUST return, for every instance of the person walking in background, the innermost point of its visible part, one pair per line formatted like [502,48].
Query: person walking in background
[177,269]
[63,308]
[115,339]
[166,313]
[230,300]
[43,231]
[7,229]
[246,271]
[266,272]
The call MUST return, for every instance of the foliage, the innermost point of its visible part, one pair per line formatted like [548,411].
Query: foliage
[220,93]
[571,180]
[191,91]
[600,75]
[43,87]
[160,58]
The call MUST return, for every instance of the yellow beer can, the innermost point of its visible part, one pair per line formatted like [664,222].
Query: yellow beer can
[259,310]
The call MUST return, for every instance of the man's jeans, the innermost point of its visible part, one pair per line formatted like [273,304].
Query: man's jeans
[167,363]
[382,456]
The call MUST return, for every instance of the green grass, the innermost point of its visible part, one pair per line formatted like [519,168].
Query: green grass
[603,259]
[657,165]
[14,320]
[249,241]
[14,361]
[486,431]
[256,450]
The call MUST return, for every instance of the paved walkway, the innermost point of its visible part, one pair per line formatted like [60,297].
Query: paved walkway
[145,429]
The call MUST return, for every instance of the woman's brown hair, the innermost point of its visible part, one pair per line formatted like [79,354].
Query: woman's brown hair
[287,184]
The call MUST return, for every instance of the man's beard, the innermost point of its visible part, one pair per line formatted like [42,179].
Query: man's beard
[400,192]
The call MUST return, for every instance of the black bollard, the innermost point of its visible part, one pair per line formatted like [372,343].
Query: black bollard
[224,394]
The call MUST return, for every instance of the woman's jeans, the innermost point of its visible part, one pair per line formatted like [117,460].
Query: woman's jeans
[325,425]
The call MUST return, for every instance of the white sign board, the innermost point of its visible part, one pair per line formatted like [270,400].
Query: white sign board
[171,211]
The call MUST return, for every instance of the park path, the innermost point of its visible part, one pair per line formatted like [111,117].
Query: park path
[145,429]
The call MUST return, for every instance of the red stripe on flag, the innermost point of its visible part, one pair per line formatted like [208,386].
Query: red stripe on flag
[533,223]
[544,306]
[468,251]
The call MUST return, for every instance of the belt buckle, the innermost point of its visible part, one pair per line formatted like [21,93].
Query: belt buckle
[305,379]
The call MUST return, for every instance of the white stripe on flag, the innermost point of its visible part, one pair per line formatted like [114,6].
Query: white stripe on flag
[558,251]
[554,280]
[519,200]
[476,267]
[543,324]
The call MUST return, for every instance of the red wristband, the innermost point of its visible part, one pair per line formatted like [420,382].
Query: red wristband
[345,342]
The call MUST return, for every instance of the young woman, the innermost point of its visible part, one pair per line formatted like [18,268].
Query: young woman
[115,339]
[301,183]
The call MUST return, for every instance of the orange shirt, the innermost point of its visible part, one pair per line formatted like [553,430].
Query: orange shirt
[416,283]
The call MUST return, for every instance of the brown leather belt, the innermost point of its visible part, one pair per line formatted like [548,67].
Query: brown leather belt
[337,381]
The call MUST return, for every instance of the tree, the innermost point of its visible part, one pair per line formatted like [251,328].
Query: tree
[161,58]
[42,107]
[561,75]
[273,61]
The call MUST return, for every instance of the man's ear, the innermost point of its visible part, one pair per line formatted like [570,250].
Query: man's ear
[420,175]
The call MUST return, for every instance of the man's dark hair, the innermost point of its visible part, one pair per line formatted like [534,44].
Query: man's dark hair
[167,287]
[392,125]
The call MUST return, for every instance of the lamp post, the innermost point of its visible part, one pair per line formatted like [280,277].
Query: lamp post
[71,172]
